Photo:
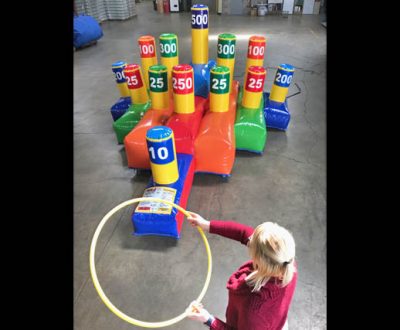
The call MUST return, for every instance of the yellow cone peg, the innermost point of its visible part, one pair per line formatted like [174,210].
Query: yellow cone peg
[118,69]
[253,88]
[281,84]
[162,153]
[136,85]
[255,52]
[199,34]
[169,53]
[226,53]
[183,88]
[219,89]
[158,82]
[147,47]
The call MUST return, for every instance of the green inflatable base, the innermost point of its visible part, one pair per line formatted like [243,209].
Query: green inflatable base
[240,95]
[250,129]
[123,125]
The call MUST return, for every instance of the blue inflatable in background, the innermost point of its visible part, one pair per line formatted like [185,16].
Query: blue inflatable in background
[86,30]
[202,78]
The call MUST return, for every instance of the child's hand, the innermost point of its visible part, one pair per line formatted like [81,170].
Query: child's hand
[197,220]
[196,312]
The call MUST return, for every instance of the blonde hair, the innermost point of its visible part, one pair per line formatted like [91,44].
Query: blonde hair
[272,250]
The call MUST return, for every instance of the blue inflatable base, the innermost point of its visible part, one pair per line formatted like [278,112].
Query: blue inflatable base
[201,74]
[276,114]
[252,151]
[120,107]
[214,173]
[164,224]
[86,30]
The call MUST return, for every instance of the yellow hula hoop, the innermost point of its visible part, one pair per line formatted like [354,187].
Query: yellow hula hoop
[100,291]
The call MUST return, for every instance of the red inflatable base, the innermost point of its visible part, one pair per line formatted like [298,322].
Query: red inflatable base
[186,126]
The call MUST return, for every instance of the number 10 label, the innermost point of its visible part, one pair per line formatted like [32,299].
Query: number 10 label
[161,152]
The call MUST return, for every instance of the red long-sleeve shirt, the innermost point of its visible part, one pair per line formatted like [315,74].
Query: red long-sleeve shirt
[263,310]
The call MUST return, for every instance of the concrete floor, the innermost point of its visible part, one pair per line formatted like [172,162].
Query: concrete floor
[155,278]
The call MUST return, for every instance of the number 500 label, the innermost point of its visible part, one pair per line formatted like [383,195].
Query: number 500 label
[200,19]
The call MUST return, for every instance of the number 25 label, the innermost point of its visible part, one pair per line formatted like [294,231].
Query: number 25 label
[255,83]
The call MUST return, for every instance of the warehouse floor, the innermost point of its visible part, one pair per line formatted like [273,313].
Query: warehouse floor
[155,278]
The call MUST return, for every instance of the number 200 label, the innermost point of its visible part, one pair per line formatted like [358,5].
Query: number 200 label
[119,76]
[283,78]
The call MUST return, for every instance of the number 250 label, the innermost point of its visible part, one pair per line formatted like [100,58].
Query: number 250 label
[182,85]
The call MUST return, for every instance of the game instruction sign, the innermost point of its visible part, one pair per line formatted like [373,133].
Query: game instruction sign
[165,193]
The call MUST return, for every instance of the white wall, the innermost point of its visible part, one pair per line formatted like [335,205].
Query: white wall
[288,6]
[308,7]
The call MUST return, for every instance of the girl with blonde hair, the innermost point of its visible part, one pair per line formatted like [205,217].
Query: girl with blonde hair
[261,290]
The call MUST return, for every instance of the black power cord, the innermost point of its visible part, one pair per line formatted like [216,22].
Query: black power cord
[298,92]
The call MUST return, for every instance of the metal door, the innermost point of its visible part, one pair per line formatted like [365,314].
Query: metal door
[236,7]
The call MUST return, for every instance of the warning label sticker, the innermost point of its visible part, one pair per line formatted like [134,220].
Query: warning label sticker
[165,193]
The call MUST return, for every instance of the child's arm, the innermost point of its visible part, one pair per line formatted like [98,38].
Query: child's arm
[233,230]
[220,325]
[197,312]
[229,229]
